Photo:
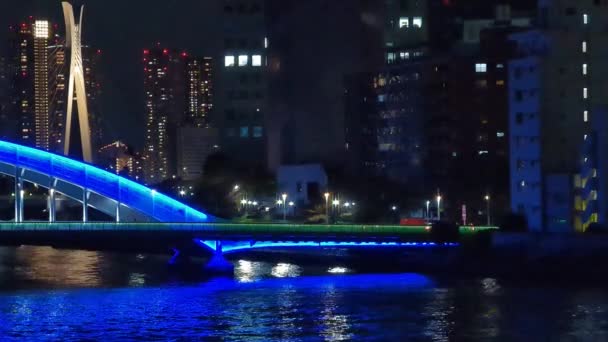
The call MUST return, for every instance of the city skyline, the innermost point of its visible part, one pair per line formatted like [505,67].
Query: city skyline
[121,44]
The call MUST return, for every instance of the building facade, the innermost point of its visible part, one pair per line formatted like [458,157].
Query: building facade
[566,57]
[242,82]
[28,69]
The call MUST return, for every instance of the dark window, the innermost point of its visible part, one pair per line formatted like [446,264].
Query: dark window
[519,95]
[519,118]
[570,11]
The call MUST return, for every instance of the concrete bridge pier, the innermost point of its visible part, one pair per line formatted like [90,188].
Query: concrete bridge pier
[217,263]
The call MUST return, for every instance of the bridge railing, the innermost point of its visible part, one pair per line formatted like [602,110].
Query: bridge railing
[230,228]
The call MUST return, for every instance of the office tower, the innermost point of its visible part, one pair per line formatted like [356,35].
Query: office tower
[242,82]
[307,65]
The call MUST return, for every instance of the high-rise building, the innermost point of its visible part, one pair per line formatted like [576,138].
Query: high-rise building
[41,83]
[164,87]
[29,75]
[194,145]
[554,87]
[179,97]
[305,113]
[8,129]
[120,159]
[242,82]
[199,91]
[58,95]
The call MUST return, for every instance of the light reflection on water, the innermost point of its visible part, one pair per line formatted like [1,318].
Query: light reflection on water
[47,294]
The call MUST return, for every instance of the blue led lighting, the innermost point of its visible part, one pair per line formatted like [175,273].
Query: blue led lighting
[129,193]
[234,246]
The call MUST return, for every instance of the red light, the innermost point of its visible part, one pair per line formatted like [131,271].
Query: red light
[165,51]
[146,52]
[184,54]
[98,51]
[23,24]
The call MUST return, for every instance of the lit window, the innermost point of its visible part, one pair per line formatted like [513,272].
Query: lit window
[500,134]
[404,55]
[258,131]
[483,152]
[390,57]
[584,47]
[585,93]
[481,67]
[243,60]
[404,22]
[500,66]
[585,19]
[584,69]
[586,116]
[229,61]
[256,60]
[244,132]
[585,137]
[265,43]
[417,22]
[381,98]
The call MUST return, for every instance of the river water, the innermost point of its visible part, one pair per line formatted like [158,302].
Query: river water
[59,295]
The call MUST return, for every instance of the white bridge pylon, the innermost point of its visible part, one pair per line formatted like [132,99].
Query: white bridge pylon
[76,80]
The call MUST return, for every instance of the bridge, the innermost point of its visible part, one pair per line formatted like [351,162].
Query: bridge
[143,217]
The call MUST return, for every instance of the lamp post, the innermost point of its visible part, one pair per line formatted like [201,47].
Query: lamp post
[438,207]
[284,197]
[293,210]
[487,198]
[428,214]
[326,195]
[336,204]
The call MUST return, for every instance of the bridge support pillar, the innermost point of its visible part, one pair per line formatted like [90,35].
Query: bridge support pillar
[52,206]
[117,212]
[85,205]
[217,263]
[19,192]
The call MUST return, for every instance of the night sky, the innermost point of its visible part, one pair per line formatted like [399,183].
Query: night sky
[121,29]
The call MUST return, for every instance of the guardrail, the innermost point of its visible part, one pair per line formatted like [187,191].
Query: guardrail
[232,228]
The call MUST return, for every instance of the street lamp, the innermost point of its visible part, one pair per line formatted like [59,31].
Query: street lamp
[428,213]
[438,207]
[487,198]
[236,187]
[326,195]
[394,208]
[284,197]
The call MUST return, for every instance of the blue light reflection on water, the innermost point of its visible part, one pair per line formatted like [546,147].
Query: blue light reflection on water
[75,295]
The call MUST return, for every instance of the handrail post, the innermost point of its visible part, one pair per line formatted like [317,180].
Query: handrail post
[85,205]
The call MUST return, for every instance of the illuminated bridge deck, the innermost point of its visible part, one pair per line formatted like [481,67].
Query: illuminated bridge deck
[239,231]
[225,238]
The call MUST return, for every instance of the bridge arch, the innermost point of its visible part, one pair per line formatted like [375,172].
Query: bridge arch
[116,196]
